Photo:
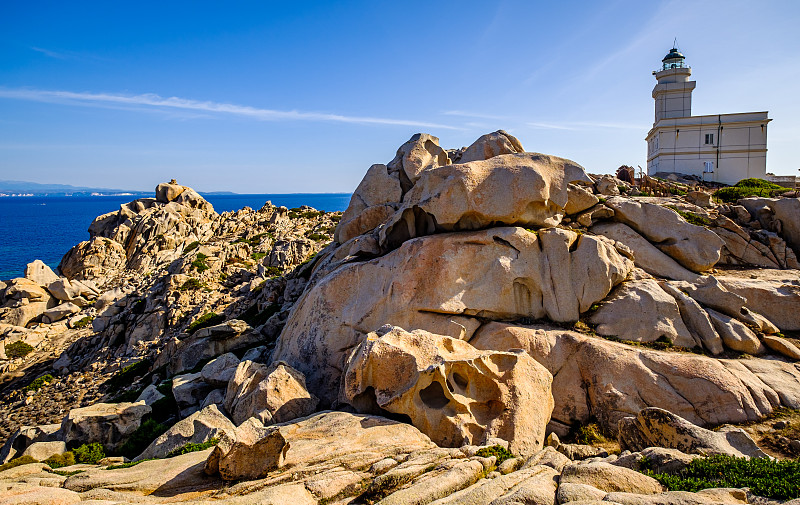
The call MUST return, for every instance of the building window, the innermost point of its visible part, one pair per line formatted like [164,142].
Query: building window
[709,138]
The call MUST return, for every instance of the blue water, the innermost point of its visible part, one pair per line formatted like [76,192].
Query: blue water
[46,227]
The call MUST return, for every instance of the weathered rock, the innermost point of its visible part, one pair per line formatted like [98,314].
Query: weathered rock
[515,189]
[654,427]
[694,247]
[548,456]
[607,185]
[420,153]
[375,199]
[580,493]
[491,145]
[643,312]
[596,213]
[272,394]
[97,258]
[646,256]
[659,460]
[228,329]
[442,284]
[782,346]
[150,395]
[198,428]
[579,199]
[189,391]
[25,436]
[63,289]
[362,440]
[59,312]
[609,478]
[40,273]
[452,392]
[700,198]
[440,488]
[106,423]
[696,319]
[609,380]
[25,314]
[35,495]
[219,371]
[168,191]
[533,485]
[40,451]
[735,335]
[774,294]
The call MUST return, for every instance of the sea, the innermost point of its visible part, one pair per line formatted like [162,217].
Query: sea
[46,228]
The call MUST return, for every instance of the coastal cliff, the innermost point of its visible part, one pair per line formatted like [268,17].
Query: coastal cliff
[431,344]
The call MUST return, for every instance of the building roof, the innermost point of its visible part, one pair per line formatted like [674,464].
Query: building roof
[673,54]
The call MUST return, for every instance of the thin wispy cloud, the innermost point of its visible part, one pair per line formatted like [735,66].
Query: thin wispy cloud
[153,101]
[52,54]
[586,125]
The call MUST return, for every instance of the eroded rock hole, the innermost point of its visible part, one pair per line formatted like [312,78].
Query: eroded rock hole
[433,396]
[460,380]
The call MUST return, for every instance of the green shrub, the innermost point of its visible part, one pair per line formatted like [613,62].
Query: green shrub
[498,451]
[764,477]
[316,236]
[193,448]
[191,247]
[127,396]
[273,271]
[128,464]
[749,187]
[258,255]
[125,376]
[89,454]
[39,383]
[64,473]
[138,441]
[692,218]
[204,321]
[83,322]
[200,263]
[18,349]
[22,460]
[255,318]
[59,460]
[191,284]
[590,434]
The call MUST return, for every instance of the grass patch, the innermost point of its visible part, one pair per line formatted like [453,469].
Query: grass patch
[190,447]
[772,479]
[59,460]
[317,237]
[22,460]
[749,187]
[125,377]
[148,431]
[204,321]
[64,473]
[83,322]
[690,217]
[191,247]
[39,383]
[191,284]
[498,451]
[89,454]
[18,349]
[200,263]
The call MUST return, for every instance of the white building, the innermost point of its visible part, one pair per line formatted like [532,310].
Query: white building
[727,147]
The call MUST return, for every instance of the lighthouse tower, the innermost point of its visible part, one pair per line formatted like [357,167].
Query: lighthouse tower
[673,93]
[717,147]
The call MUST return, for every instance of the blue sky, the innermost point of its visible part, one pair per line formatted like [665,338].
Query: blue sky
[272,97]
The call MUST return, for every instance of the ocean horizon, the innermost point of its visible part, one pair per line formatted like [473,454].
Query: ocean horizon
[45,228]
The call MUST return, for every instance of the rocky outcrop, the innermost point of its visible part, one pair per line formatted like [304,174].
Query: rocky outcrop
[202,426]
[106,423]
[445,284]
[272,394]
[449,390]
[654,427]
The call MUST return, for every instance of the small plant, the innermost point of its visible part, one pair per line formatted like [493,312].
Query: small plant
[127,374]
[316,236]
[258,255]
[691,218]
[255,318]
[590,434]
[204,321]
[200,263]
[89,454]
[64,473]
[193,448]
[138,441]
[59,460]
[191,284]
[191,247]
[128,464]
[22,460]
[18,349]
[83,322]
[39,383]
[765,477]
[498,451]
[273,271]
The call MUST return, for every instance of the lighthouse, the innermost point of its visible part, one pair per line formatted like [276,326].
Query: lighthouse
[723,148]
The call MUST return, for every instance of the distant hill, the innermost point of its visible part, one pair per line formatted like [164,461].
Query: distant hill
[9,188]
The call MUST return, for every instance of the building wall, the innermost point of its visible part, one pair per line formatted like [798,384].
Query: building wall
[678,145]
